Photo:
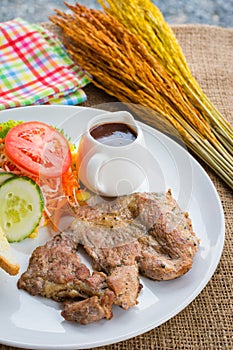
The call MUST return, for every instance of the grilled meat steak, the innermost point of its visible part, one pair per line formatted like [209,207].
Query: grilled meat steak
[142,232]
[55,271]
[148,229]
[168,249]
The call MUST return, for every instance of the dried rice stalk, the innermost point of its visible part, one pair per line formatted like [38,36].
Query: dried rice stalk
[123,66]
[146,21]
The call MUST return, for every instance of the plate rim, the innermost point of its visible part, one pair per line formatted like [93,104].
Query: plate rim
[181,306]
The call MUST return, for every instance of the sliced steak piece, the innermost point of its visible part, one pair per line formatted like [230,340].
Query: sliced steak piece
[123,275]
[168,249]
[111,239]
[89,310]
[55,271]
[124,281]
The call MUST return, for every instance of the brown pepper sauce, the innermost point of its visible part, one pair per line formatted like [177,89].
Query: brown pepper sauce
[113,134]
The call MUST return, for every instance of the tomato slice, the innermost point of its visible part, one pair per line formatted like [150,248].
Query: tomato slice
[38,149]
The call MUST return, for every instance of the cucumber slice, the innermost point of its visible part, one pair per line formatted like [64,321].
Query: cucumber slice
[5,176]
[21,207]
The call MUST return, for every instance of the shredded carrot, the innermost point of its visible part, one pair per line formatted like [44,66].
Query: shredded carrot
[70,181]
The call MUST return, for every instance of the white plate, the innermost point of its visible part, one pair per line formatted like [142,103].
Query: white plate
[35,322]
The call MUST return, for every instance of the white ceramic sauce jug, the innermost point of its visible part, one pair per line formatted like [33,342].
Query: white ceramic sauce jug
[112,170]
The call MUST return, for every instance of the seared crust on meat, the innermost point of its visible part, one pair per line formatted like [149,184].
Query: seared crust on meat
[168,249]
[152,222]
[55,271]
[124,281]
[89,310]
[123,275]
[143,232]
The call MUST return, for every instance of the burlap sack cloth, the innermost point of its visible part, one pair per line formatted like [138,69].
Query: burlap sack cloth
[207,323]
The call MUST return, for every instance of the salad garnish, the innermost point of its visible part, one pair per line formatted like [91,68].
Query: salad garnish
[42,153]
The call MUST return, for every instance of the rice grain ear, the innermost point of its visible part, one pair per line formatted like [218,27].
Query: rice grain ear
[146,21]
[133,55]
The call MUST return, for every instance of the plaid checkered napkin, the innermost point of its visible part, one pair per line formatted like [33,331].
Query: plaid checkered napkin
[35,68]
